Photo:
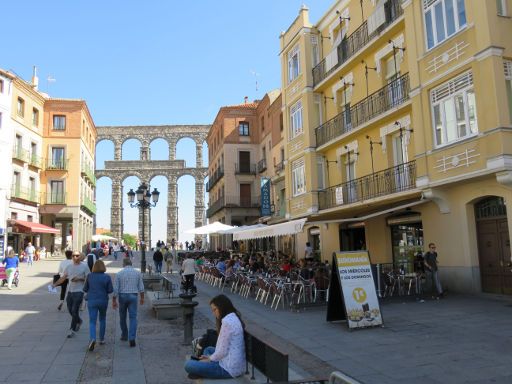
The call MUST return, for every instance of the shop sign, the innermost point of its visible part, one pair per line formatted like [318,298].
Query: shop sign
[339,195]
[352,294]
[265,196]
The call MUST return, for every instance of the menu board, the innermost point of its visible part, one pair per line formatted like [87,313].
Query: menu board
[353,289]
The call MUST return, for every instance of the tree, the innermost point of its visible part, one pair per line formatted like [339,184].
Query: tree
[129,240]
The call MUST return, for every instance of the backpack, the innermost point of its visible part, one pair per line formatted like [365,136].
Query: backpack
[91,259]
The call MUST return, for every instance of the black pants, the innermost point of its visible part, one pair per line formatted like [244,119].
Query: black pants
[63,288]
[189,282]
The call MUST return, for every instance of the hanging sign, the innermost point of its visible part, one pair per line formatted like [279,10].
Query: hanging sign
[265,196]
[352,294]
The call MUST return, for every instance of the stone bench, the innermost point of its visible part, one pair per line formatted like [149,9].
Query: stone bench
[165,308]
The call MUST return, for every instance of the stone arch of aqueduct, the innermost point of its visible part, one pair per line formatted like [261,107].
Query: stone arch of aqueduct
[145,169]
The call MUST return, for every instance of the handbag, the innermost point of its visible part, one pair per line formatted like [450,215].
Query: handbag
[55,278]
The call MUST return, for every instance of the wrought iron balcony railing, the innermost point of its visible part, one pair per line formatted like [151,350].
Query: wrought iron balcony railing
[245,168]
[356,41]
[57,165]
[279,167]
[27,194]
[35,161]
[89,174]
[89,205]
[21,154]
[233,202]
[215,207]
[54,198]
[262,165]
[390,96]
[392,180]
[214,178]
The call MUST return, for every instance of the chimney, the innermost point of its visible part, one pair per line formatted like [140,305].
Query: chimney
[245,99]
[35,79]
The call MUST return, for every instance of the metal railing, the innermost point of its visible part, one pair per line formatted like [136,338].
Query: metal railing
[36,161]
[392,180]
[89,205]
[20,154]
[57,165]
[89,174]
[391,95]
[215,207]
[214,178]
[54,198]
[245,168]
[279,167]
[357,41]
[27,194]
[262,165]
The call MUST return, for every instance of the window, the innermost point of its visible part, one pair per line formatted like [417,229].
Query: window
[502,7]
[262,123]
[1,86]
[281,125]
[30,218]
[243,128]
[443,18]
[315,51]
[296,119]
[14,215]
[21,107]
[454,110]
[0,120]
[298,179]
[57,160]
[507,64]
[59,122]
[320,168]
[56,192]
[35,117]
[293,64]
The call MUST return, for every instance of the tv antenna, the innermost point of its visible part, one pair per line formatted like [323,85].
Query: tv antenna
[255,74]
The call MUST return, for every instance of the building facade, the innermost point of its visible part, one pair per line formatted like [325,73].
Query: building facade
[47,194]
[389,141]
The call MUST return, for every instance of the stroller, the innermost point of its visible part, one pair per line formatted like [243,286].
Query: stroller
[3,277]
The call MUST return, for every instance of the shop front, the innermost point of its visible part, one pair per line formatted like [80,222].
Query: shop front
[23,232]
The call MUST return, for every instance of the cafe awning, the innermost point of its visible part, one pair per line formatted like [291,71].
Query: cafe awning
[209,229]
[21,226]
[288,228]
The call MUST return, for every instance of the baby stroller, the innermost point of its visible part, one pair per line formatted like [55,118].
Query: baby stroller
[3,277]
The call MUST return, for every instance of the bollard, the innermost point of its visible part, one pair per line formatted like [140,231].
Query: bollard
[188,316]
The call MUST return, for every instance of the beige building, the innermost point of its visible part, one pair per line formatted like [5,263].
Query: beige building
[396,121]
[68,180]
[244,149]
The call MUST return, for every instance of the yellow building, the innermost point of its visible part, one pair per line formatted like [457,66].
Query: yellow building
[68,181]
[396,120]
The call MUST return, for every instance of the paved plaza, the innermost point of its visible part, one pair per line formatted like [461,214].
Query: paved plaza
[455,340]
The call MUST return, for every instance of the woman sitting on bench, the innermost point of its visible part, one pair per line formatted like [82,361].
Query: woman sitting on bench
[227,359]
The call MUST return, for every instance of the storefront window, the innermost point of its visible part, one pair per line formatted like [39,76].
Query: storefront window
[407,240]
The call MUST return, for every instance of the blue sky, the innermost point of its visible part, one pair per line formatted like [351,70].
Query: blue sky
[150,63]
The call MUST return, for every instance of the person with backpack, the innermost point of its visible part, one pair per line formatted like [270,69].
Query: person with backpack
[91,259]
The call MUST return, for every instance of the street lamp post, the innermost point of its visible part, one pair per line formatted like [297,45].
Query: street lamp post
[144,198]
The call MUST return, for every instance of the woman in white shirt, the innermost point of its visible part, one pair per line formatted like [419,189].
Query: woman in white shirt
[227,359]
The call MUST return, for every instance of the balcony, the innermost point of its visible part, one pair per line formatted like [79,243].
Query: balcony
[279,167]
[390,96]
[245,169]
[54,198]
[392,180]
[357,41]
[233,202]
[57,165]
[26,194]
[89,174]
[21,154]
[262,165]
[35,161]
[88,205]
[214,178]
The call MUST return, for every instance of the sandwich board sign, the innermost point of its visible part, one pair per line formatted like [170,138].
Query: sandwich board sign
[352,294]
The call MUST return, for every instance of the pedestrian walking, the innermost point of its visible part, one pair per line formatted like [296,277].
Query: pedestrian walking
[430,259]
[168,260]
[11,262]
[157,260]
[188,269]
[128,286]
[62,267]
[97,286]
[29,252]
[76,273]
[227,359]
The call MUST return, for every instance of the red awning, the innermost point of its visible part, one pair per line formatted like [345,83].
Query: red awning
[31,227]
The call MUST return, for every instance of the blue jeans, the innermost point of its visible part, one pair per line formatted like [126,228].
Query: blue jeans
[95,307]
[210,369]
[128,303]
[158,266]
[73,301]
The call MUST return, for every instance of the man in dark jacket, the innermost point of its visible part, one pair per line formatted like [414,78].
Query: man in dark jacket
[158,258]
